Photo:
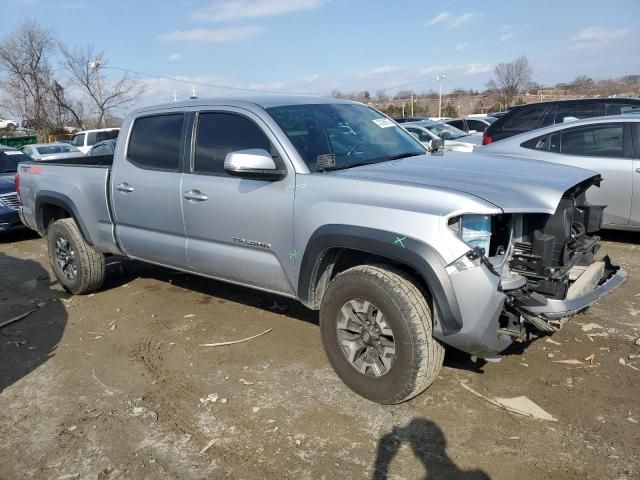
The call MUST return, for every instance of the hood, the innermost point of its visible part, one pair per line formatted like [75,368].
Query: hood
[7,184]
[514,185]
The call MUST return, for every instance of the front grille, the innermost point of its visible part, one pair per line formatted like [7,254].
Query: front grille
[10,200]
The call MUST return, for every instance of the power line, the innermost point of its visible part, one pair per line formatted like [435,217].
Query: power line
[212,85]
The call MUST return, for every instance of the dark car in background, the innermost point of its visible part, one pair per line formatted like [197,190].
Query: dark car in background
[537,115]
[9,159]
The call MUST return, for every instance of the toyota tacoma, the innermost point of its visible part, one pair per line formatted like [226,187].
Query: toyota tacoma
[332,203]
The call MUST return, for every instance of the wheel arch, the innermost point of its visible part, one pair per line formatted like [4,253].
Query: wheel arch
[51,206]
[335,248]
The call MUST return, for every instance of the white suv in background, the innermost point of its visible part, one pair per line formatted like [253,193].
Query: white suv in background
[85,139]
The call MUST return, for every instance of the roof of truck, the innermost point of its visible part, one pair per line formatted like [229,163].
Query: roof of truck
[264,101]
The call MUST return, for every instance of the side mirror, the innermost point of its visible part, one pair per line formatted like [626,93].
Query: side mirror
[436,144]
[472,131]
[253,163]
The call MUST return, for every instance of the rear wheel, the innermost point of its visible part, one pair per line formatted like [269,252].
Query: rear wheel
[77,265]
[376,329]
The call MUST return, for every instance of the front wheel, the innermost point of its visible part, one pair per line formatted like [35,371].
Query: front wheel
[77,265]
[376,329]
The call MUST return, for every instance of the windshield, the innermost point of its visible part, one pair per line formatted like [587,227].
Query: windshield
[446,131]
[9,160]
[347,133]
[60,148]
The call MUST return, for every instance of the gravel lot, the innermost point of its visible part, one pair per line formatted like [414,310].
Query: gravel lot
[115,385]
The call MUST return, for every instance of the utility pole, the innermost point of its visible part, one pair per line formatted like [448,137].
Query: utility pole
[412,105]
[439,78]
[95,65]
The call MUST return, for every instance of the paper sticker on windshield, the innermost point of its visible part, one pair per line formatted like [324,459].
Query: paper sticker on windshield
[384,122]
[12,152]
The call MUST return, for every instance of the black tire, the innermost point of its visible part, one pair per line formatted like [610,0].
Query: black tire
[89,264]
[418,356]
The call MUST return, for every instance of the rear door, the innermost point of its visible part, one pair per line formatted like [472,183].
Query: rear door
[604,148]
[238,229]
[145,190]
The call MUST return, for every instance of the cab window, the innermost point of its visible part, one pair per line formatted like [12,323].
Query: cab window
[221,133]
[155,142]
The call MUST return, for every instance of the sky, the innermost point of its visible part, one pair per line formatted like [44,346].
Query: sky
[316,46]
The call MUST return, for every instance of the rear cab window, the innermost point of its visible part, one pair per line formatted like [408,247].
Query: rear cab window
[155,142]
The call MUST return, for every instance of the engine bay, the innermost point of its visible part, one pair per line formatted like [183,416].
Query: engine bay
[542,257]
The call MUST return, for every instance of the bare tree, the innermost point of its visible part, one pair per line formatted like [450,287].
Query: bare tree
[24,61]
[381,96]
[511,78]
[86,69]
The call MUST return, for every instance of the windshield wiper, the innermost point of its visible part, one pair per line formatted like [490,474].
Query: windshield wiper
[371,162]
[404,155]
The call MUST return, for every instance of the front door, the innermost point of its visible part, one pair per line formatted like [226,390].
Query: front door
[238,229]
[145,191]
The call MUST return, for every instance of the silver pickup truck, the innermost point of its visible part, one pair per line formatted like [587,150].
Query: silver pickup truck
[332,203]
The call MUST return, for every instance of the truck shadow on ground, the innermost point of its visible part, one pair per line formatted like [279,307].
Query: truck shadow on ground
[121,270]
[27,343]
[18,235]
[428,443]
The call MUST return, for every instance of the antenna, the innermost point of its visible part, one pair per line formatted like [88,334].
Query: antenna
[193,93]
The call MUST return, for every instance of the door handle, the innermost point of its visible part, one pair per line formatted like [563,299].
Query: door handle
[124,187]
[195,196]
[637,170]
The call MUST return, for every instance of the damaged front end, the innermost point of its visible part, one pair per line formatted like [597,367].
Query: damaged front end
[551,271]
[544,268]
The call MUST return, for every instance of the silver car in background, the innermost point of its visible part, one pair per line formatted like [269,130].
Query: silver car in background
[455,140]
[607,145]
[51,151]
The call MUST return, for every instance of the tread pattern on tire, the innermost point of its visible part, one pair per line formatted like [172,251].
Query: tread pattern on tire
[429,351]
[91,263]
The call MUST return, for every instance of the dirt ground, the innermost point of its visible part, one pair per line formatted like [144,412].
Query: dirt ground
[115,385]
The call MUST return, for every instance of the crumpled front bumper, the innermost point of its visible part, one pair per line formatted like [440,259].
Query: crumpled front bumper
[481,303]
[554,309]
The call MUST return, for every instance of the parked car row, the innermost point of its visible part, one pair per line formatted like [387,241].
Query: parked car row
[88,142]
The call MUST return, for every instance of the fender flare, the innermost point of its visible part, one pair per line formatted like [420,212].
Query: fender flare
[408,251]
[48,197]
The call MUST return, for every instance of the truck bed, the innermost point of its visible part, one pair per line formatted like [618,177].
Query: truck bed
[78,185]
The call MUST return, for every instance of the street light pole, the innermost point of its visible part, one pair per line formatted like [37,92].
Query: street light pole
[439,78]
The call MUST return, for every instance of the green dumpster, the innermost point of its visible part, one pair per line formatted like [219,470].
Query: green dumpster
[17,142]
